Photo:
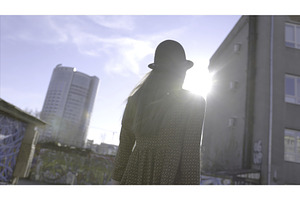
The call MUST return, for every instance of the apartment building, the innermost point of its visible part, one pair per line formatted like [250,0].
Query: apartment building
[253,112]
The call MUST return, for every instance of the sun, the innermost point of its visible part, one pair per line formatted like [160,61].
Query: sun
[198,80]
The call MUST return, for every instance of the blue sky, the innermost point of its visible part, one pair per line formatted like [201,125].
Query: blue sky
[115,48]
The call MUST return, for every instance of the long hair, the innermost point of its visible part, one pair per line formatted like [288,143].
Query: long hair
[151,97]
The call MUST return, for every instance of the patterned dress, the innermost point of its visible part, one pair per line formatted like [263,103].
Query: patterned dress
[171,157]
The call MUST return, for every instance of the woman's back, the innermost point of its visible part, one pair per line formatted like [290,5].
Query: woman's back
[170,153]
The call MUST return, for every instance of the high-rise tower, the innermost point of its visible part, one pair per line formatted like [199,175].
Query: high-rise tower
[68,106]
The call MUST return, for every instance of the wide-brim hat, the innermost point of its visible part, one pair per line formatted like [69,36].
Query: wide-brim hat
[170,54]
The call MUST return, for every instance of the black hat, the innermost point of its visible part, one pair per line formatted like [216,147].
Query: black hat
[170,53]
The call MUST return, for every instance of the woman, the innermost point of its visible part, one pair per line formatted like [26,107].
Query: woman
[161,125]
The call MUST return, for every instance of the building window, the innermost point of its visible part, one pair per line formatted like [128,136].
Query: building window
[292,145]
[292,35]
[292,89]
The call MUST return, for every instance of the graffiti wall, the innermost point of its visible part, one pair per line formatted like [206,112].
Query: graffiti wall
[238,177]
[11,135]
[63,165]
[211,180]
[257,153]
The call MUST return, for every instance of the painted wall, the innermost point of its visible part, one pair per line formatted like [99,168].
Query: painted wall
[237,177]
[63,165]
[12,132]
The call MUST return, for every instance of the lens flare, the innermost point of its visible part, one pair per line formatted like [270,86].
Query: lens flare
[198,81]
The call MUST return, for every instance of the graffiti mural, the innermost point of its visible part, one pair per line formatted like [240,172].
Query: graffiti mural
[257,152]
[233,177]
[211,180]
[56,165]
[11,135]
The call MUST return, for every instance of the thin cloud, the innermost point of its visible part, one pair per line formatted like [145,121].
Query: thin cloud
[61,35]
[114,22]
[128,53]
[123,54]
[33,29]
[120,53]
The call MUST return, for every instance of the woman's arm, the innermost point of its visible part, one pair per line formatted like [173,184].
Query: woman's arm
[127,140]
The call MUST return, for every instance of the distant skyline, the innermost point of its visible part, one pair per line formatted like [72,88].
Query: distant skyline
[115,48]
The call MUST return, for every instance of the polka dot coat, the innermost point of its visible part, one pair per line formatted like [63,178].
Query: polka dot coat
[171,157]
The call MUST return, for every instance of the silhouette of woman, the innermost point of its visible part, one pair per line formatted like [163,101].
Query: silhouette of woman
[161,126]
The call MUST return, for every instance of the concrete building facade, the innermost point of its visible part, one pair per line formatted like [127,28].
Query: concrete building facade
[68,106]
[253,111]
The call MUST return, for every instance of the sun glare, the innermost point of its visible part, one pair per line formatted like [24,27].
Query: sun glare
[198,80]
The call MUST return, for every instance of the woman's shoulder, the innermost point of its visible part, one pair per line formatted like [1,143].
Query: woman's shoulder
[190,104]
[188,96]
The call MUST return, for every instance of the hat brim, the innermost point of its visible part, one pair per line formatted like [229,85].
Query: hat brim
[188,65]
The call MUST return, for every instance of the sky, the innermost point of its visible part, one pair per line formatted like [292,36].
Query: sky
[115,48]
